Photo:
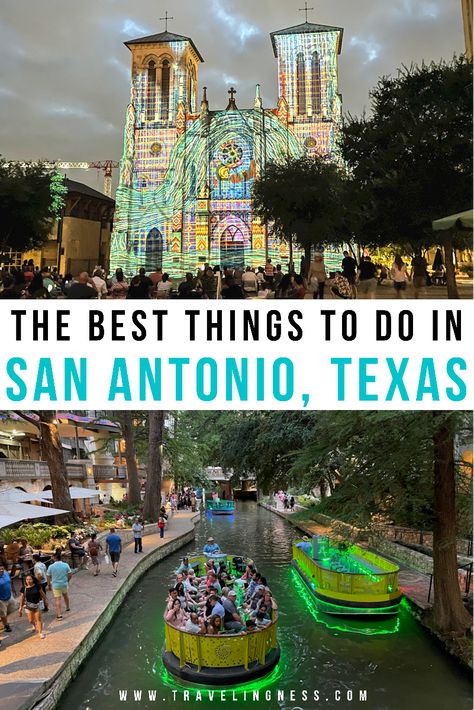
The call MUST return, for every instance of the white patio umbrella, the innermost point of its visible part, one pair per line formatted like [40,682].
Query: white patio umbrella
[16,512]
[75,492]
[17,496]
[6,520]
[464,220]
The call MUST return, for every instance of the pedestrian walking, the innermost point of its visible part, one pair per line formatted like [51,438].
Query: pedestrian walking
[113,548]
[59,575]
[31,596]
[399,275]
[40,575]
[161,526]
[94,549]
[7,602]
[138,529]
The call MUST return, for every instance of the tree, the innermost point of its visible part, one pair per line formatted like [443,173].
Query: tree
[303,198]
[134,496]
[411,159]
[449,614]
[152,501]
[31,199]
[52,449]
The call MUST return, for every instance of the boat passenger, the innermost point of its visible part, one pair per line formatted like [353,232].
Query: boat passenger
[215,625]
[211,547]
[172,596]
[212,583]
[216,606]
[268,600]
[263,609]
[176,616]
[261,619]
[195,625]
[184,566]
[232,618]
[188,587]
[305,545]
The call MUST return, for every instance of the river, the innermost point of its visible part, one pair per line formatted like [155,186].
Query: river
[402,669]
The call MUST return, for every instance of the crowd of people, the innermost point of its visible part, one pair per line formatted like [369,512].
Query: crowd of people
[219,600]
[351,280]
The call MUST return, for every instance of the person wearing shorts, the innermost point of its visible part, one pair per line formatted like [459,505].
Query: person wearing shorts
[94,548]
[7,602]
[59,575]
[113,547]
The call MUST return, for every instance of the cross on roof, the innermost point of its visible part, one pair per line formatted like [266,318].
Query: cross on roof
[306,9]
[167,17]
[232,106]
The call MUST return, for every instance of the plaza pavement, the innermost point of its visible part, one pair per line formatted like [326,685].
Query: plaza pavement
[28,662]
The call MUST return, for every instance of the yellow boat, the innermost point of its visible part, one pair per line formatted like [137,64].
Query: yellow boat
[226,659]
[347,580]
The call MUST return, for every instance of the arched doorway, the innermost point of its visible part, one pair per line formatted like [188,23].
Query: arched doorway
[232,247]
[153,250]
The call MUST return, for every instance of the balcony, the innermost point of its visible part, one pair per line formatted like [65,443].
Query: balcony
[16,470]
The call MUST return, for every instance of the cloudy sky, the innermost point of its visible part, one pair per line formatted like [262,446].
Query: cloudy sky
[64,71]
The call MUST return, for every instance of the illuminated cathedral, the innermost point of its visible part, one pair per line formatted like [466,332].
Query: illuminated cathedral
[187,171]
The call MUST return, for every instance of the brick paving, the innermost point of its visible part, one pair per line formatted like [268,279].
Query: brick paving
[27,661]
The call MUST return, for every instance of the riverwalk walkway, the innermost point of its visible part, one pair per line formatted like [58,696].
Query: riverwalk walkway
[33,671]
[414,585]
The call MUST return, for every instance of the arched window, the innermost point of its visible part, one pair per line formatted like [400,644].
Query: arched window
[316,87]
[300,85]
[193,89]
[165,90]
[151,92]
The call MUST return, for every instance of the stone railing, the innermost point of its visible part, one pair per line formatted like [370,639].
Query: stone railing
[18,470]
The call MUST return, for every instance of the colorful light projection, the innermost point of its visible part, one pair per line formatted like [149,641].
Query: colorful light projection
[186,179]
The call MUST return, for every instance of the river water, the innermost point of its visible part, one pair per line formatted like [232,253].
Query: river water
[402,669]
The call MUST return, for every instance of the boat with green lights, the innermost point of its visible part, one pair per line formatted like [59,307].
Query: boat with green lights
[347,580]
[226,659]
[221,507]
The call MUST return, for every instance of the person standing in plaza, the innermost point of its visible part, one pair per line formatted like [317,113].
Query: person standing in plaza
[367,278]
[25,555]
[419,273]
[349,271]
[138,529]
[31,596]
[317,274]
[113,548]
[269,273]
[7,603]
[59,575]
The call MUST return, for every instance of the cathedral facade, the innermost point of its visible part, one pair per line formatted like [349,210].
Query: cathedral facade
[187,172]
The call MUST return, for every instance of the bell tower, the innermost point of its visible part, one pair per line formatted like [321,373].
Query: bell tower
[307,57]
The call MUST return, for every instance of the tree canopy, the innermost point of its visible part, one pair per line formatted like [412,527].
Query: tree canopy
[303,198]
[31,199]
[411,158]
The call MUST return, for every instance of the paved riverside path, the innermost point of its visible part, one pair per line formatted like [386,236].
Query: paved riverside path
[27,662]
[414,585]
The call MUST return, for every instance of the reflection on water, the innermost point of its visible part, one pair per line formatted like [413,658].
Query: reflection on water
[325,660]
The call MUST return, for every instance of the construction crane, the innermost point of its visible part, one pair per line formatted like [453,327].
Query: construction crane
[106,165]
